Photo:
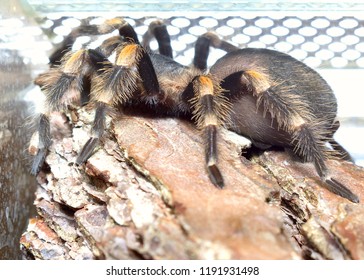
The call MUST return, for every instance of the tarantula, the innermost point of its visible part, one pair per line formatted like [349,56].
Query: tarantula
[265,95]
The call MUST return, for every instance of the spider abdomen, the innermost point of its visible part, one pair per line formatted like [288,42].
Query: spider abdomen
[289,75]
[292,89]
[250,122]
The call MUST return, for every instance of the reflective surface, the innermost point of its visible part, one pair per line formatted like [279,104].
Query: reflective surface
[16,185]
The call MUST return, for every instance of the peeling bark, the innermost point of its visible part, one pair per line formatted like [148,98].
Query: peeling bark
[145,194]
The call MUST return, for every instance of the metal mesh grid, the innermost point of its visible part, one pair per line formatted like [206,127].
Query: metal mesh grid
[319,41]
[66,6]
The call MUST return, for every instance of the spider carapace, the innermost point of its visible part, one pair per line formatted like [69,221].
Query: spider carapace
[265,95]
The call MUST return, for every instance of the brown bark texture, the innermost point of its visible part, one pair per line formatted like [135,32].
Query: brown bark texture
[145,194]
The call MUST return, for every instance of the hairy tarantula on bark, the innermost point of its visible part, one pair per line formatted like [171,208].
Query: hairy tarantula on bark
[265,95]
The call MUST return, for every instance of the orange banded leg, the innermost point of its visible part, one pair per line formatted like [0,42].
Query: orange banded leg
[65,84]
[210,110]
[284,108]
[308,137]
[130,54]
[115,84]
[119,81]
[84,30]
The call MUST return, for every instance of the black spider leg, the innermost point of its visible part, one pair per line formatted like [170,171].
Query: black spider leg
[98,129]
[202,48]
[56,57]
[309,145]
[308,139]
[306,136]
[71,79]
[44,141]
[210,110]
[62,86]
[144,64]
[86,90]
[99,64]
[158,30]
[85,29]
[343,153]
[115,84]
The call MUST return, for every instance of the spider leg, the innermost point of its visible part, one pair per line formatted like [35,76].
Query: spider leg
[132,66]
[310,145]
[343,153]
[63,85]
[339,189]
[210,110]
[98,129]
[158,30]
[202,48]
[84,29]
[130,54]
[44,141]
[307,136]
[109,45]
[133,54]
[102,101]
[115,84]
[285,108]
[148,77]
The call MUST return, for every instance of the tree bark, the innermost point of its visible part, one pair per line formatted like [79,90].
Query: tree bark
[145,194]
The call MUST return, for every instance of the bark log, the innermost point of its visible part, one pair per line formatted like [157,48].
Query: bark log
[145,194]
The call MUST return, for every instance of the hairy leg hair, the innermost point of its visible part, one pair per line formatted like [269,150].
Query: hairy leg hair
[210,110]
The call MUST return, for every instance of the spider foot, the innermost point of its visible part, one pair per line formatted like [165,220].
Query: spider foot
[215,176]
[87,150]
[339,189]
[38,161]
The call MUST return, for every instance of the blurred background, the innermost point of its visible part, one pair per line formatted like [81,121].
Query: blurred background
[326,35]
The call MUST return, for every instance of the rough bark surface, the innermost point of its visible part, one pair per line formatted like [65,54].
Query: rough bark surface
[144,194]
